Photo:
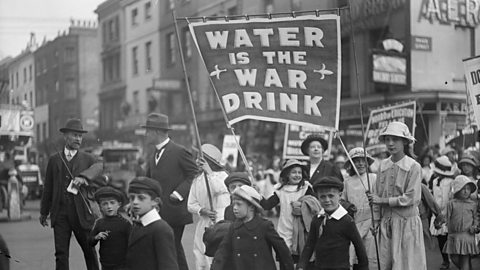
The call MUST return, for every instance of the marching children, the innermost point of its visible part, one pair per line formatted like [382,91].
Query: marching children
[462,223]
[293,185]
[355,188]
[398,193]
[111,230]
[332,231]
[249,241]
[233,181]
[151,244]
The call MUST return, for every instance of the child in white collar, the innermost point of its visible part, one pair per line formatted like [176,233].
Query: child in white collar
[332,231]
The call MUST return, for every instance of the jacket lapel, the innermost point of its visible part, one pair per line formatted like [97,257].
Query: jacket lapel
[138,232]
[165,152]
[320,168]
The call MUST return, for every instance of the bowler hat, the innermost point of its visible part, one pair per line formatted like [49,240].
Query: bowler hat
[397,129]
[311,138]
[327,182]
[73,124]
[241,177]
[157,121]
[249,194]
[105,192]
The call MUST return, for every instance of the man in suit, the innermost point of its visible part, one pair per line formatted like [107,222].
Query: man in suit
[70,211]
[174,168]
[314,146]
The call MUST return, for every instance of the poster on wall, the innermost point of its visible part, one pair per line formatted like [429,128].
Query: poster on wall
[380,118]
[472,75]
[283,70]
[294,136]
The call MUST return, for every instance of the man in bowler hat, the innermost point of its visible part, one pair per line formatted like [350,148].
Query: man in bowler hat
[65,197]
[174,168]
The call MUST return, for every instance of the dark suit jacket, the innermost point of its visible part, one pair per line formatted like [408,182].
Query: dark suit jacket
[84,165]
[248,246]
[175,171]
[325,168]
[152,247]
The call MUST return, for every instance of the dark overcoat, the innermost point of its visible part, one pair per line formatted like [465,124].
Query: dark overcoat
[248,246]
[175,171]
[325,168]
[83,164]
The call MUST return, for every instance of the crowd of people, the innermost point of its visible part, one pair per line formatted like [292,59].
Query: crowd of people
[353,213]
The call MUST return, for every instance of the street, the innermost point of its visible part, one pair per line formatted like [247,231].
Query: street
[31,245]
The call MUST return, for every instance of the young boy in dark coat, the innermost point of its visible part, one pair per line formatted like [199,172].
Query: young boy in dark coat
[234,180]
[332,231]
[112,230]
[151,245]
[248,244]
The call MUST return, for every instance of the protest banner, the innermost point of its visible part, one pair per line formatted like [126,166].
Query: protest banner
[294,136]
[284,70]
[229,148]
[380,118]
[472,75]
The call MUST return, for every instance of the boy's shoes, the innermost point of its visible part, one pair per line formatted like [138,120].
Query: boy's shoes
[445,265]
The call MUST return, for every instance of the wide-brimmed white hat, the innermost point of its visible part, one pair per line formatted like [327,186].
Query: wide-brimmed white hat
[461,181]
[358,152]
[397,129]
[212,153]
[250,194]
[443,166]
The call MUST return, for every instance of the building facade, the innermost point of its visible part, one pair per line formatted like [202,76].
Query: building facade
[22,79]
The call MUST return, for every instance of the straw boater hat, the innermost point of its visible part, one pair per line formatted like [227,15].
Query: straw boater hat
[443,166]
[397,129]
[157,121]
[469,159]
[461,181]
[74,125]
[212,153]
[292,163]
[358,152]
[311,138]
[249,194]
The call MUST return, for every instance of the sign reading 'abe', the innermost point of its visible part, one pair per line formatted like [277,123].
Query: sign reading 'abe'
[283,70]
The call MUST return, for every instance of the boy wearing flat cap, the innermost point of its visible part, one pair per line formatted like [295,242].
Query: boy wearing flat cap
[234,180]
[151,244]
[112,230]
[249,241]
[332,231]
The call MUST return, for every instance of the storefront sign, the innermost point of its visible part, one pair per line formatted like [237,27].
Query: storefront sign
[389,69]
[420,43]
[472,73]
[380,118]
[283,70]
[453,12]
[15,122]
[294,136]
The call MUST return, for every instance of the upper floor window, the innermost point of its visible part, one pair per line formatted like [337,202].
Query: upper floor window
[135,60]
[148,10]
[30,72]
[187,43]
[69,53]
[134,16]
[148,56]
[171,56]
[24,75]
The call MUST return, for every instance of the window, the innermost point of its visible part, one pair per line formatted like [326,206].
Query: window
[116,66]
[44,130]
[136,102]
[135,60]
[187,43]
[268,6]
[170,5]
[24,75]
[70,53]
[70,89]
[148,56]
[111,30]
[104,32]
[30,72]
[148,10]
[31,100]
[171,57]
[44,65]
[134,17]
[16,78]
[57,86]
[12,81]
[39,132]
[232,10]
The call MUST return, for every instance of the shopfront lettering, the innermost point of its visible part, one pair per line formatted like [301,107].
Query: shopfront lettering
[455,12]
[454,107]
[475,76]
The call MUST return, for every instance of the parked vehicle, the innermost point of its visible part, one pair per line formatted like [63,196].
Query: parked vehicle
[32,179]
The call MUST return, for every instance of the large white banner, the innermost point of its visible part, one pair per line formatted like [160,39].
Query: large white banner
[472,74]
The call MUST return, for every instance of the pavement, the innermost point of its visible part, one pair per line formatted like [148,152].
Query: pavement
[31,245]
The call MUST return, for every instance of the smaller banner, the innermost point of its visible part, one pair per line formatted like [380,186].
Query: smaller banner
[380,118]
[472,74]
[294,136]
[229,148]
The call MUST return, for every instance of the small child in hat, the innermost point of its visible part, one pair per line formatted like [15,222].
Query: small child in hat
[332,231]
[462,223]
[249,241]
[233,181]
[151,244]
[112,230]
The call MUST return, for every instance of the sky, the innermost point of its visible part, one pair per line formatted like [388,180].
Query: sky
[18,18]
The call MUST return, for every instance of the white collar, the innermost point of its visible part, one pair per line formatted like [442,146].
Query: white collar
[338,214]
[67,151]
[162,144]
[405,163]
[149,217]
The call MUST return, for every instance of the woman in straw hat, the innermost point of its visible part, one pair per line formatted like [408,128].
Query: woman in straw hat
[354,192]
[441,186]
[398,193]
[198,201]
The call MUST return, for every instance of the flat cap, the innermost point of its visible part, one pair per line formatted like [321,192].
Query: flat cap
[142,183]
[238,177]
[107,192]
[327,182]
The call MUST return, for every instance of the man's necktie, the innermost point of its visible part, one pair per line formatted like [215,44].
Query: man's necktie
[158,154]
[69,156]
